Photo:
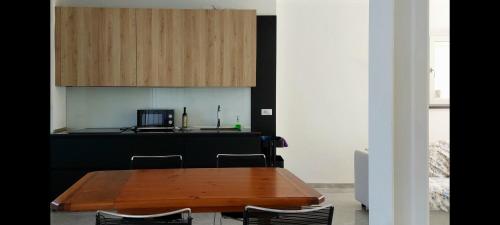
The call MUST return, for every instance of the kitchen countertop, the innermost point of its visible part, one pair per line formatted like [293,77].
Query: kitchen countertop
[189,131]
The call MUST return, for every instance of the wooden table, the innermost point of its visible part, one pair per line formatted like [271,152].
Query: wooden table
[201,189]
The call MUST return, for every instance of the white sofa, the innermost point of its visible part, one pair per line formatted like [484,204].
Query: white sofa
[361,177]
[439,181]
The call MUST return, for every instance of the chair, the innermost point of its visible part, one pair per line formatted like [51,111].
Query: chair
[322,215]
[156,162]
[241,160]
[183,217]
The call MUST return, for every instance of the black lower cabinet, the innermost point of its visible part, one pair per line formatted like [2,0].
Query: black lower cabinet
[157,145]
[200,152]
[90,152]
[72,156]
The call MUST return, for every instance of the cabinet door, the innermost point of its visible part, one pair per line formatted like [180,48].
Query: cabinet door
[200,152]
[98,152]
[231,50]
[172,47]
[97,46]
[196,48]
[160,47]
[239,48]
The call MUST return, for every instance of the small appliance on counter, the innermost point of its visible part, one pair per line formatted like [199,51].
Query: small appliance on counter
[155,120]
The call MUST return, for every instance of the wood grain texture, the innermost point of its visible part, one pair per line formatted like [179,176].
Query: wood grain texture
[201,189]
[239,48]
[92,191]
[248,77]
[155,47]
[57,53]
[98,46]
[228,49]
[215,34]
[160,47]
[196,48]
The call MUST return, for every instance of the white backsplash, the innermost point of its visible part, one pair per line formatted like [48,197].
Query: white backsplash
[89,107]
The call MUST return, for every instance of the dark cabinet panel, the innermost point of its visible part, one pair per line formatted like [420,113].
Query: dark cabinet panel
[202,151]
[100,152]
[263,95]
[158,145]
[90,152]
[239,145]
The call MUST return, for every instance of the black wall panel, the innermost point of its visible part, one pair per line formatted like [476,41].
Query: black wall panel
[264,94]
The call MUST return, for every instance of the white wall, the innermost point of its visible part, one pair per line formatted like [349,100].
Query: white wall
[57,94]
[439,125]
[439,24]
[439,17]
[116,107]
[322,86]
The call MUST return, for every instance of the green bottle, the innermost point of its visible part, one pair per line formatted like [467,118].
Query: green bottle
[237,125]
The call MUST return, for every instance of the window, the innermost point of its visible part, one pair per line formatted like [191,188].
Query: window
[440,71]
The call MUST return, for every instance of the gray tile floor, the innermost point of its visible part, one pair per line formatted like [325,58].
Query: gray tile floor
[347,212]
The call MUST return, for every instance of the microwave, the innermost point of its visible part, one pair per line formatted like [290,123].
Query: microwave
[155,118]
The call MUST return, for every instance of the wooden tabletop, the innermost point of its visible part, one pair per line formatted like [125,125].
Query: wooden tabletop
[201,189]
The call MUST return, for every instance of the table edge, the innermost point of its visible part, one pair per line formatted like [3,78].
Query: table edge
[58,203]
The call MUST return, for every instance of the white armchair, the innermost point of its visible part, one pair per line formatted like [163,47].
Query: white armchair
[361,177]
[439,186]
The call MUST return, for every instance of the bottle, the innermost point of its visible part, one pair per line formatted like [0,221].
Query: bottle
[237,125]
[184,119]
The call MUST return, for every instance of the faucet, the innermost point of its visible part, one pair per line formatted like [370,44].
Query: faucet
[218,116]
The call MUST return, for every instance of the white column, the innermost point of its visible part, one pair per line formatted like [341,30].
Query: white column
[398,112]
[381,112]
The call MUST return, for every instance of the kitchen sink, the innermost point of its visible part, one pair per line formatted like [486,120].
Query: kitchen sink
[220,129]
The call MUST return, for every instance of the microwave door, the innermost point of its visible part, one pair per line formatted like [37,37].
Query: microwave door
[150,120]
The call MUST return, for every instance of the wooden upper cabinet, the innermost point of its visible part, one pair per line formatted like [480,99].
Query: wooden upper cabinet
[95,46]
[196,48]
[160,47]
[155,47]
[239,48]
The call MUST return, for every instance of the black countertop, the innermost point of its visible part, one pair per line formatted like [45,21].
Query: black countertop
[175,132]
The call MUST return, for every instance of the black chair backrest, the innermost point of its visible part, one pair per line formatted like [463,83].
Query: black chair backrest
[174,217]
[156,162]
[241,160]
[322,215]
